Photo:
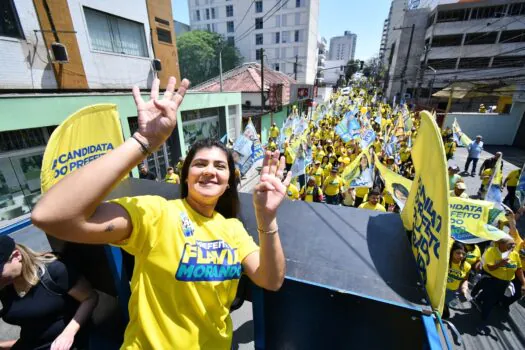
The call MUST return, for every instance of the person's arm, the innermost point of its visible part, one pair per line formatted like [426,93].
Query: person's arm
[88,299]
[521,277]
[69,212]
[464,287]
[266,267]
[497,265]
[7,344]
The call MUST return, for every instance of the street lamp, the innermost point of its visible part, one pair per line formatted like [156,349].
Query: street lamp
[431,85]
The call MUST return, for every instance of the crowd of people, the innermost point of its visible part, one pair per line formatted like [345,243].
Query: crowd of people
[190,252]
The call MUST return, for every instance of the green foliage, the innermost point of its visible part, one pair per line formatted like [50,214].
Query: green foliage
[352,67]
[199,55]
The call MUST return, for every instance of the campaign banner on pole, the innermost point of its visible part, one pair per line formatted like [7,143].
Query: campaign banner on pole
[359,172]
[247,149]
[459,136]
[520,189]
[469,221]
[83,137]
[426,214]
[398,186]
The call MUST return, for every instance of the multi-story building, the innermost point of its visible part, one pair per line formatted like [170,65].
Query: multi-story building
[343,47]
[287,30]
[111,46]
[181,28]
[395,20]
[384,36]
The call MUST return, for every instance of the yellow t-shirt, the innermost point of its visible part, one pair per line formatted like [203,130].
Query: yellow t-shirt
[272,146]
[485,175]
[309,190]
[187,269]
[456,275]
[288,154]
[377,207]
[473,256]
[361,192]
[274,132]
[493,255]
[377,146]
[327,168]
[450,148]
[172,179]
[332,185]
[293,192]
[320,155]
[513,178]
[318,175]
[404,154]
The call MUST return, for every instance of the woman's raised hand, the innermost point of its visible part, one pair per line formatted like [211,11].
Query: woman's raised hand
[158,117]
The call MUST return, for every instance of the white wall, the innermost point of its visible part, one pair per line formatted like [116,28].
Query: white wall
[323,94]
[496,129]
[106,69]
[332,75]
[24,63]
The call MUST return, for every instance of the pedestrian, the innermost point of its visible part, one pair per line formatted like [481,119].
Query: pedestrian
[457,278]
[511,181]
[450,148]
[459,190]
[145,174]
[332,187]
[453,176]
[474,151]
[490,163]
[190,252]
[171,177]
[373,201]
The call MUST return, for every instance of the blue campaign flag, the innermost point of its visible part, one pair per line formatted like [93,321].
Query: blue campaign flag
[494,195]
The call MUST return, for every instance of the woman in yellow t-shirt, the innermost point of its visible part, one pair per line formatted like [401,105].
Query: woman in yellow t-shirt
[458,271]
[190,252]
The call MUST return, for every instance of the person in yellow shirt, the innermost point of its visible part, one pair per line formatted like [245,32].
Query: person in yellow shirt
[289,157]
[332,187]
[311,192]
[319,155]
[178,167]
[450,148]
[274,131]
[404,152]
[459,190]
[485,178]
[502,264]
[511,181]
[458,271]
[171,177]
[473,256]
[271,146]
[292,191]
[373,201]
[378,145]
[189,252]
[326,166]
[390,164]
[317,173]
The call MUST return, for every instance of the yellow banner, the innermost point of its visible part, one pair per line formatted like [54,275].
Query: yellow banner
[398,186]
[426,213]
[356,169]
[83,137]
[469,221]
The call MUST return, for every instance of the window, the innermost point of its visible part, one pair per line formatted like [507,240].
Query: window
[516,9]
[508,61]
[430,20]
[277,53]
[298,3]
[197,2]
[214,27]
[452,16]
[512,36]
[229,27]
[259,23]
[480,38]
[487,12]
[229,11]
[208,27]
[296,36]
[231,40]
[198,15]
[473,62]
[283,52]
[258,54]
[258,7]
[162,21]
[114,34]
[297,18]
[207,13]
[278,21]
[284,21]
[9,24]
[213,13]
[296,51]
[447,40]
[276,66]
[277,37]
[164,35]
[285,37]
[442,63]
[258,39]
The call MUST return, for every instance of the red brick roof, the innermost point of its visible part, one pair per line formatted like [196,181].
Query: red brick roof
[246,78]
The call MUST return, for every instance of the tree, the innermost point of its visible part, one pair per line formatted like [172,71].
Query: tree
[352,67]
[199,55]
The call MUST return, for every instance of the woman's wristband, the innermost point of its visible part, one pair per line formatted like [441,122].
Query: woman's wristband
[144,148]
[268,232]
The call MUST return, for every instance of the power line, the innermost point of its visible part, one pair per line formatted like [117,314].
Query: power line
[252,28]
[238,25]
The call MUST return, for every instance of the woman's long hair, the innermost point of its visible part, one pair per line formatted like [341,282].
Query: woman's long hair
[455,246]
[228,203]
[33,263]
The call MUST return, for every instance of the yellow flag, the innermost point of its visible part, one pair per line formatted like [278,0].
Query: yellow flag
[83,137]
[469,221]
[426,213]
[398,186]
[353,170]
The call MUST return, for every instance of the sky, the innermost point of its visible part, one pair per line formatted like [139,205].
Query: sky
[362,17]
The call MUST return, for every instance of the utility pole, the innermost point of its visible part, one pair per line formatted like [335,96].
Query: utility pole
[403,72]
[422,73]
[295,66]
[262,81]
